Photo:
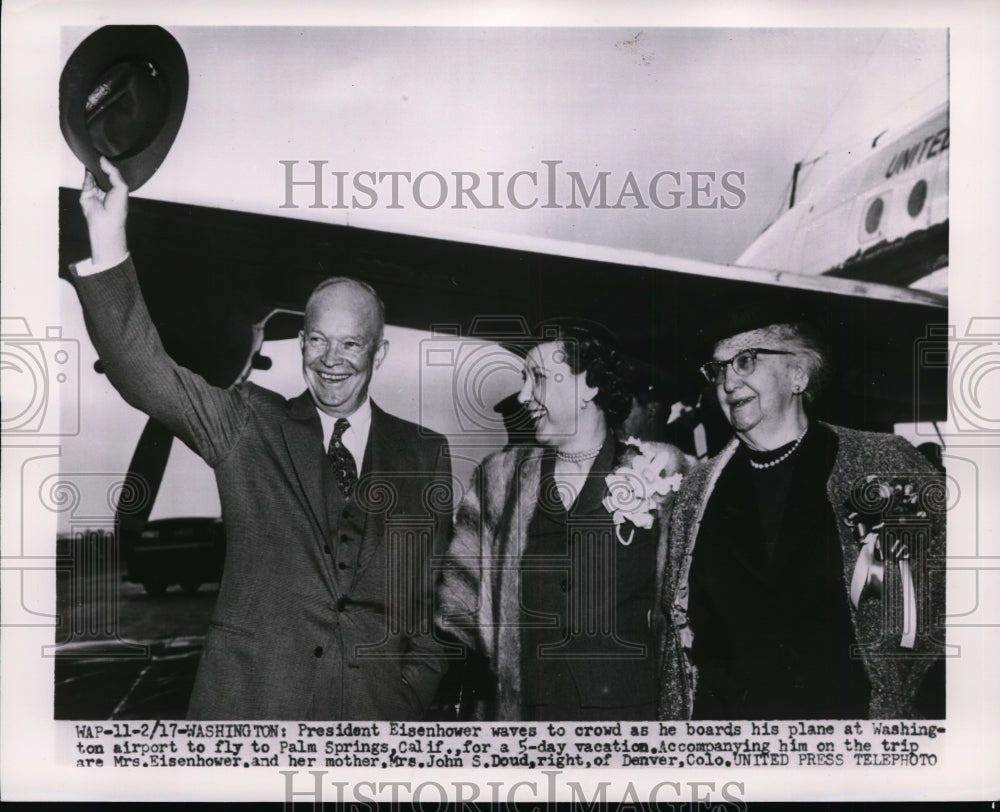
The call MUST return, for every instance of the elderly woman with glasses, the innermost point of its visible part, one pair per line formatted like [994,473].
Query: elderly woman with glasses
[801,567]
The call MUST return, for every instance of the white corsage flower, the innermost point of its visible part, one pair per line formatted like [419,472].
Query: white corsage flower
[637,489]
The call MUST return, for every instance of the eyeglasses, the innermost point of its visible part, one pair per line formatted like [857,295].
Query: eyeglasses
[744,363]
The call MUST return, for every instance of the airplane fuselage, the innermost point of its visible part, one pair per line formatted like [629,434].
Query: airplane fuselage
[884,219]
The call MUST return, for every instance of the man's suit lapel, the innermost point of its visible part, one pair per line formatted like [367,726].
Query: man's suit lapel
[303,438]
[379,462]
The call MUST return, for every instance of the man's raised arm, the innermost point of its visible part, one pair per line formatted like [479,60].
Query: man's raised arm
[208,419]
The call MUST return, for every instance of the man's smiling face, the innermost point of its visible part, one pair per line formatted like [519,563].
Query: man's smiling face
[342,346]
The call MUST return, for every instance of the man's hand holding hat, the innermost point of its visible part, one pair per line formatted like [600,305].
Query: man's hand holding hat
[105,213]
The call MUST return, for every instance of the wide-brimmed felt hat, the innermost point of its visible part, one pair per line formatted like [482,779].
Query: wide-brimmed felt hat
[122,94]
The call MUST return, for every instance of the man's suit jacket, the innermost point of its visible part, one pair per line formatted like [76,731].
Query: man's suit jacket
[294,635]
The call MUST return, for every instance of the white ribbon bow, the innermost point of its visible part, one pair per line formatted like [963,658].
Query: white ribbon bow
[868,577]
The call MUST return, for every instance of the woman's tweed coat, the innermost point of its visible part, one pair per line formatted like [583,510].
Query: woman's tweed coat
[895,673]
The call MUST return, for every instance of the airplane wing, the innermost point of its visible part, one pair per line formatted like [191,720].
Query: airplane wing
[210,274]
[218,282]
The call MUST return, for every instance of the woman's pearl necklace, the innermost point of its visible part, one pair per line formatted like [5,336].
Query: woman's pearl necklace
[783,457]
[579,456]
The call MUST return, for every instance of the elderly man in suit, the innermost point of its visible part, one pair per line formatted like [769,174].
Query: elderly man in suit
[332,507]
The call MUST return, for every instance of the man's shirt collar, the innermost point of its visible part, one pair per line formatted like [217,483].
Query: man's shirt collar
[355,439]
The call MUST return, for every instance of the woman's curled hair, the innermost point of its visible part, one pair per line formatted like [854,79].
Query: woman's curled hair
[594,350]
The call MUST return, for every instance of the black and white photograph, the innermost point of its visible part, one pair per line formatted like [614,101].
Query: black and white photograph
[543,407]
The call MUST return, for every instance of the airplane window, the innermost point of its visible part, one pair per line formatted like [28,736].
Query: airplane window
[918,194]
[874,215]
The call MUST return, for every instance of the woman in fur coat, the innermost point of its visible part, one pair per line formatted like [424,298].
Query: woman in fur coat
[552,574]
